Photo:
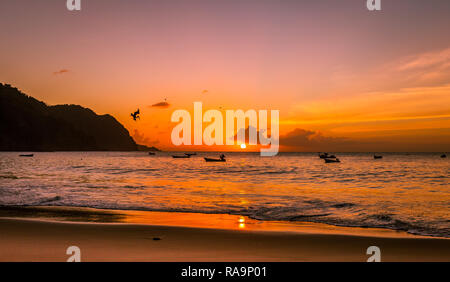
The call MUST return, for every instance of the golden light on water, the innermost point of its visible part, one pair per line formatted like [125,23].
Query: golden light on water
[241,222]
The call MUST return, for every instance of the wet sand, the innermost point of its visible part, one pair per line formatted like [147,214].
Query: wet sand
[24,239]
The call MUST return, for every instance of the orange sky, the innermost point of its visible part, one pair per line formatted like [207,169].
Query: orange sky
[343,78]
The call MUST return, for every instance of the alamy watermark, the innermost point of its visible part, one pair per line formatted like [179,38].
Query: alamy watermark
[214,132]
[375,254]
[73,5]
[75,254]
[374,5]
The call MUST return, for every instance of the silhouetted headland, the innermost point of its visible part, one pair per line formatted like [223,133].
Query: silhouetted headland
[30,125]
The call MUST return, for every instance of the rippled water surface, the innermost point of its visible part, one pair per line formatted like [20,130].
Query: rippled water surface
[401,191]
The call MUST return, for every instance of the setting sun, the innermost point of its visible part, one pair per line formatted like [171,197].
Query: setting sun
[243,146]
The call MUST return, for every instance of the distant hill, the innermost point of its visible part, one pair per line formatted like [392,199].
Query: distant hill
[27,124]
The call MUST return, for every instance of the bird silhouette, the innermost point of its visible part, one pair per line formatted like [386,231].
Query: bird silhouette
[135,115]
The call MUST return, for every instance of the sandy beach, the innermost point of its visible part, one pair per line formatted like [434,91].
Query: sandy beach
[28,239]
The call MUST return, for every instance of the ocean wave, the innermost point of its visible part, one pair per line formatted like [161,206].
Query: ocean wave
[126,171]
[250,171]
[290,214]
[78,166]
[48,200]
[9,176]
[387,221]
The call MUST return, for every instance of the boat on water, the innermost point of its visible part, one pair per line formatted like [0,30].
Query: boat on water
[27,155]
[220,159]
[151,153]
[215,160]
[336,160]
[190,154]
[181,157]
[326,156]
[377,157]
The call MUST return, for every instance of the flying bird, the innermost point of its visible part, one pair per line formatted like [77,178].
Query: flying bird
[135,115]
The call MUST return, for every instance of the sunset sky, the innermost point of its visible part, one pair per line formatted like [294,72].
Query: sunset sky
[342,77]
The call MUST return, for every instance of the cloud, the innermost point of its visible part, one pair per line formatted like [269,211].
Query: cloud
[376,107]
[162,105]
[63,71]
[205,91]
[426,68]
[247,134]
[414,140]
[141,139]
[438,59]
[313,140]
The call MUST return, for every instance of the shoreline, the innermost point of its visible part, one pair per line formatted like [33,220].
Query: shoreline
[107,235]
[67,214]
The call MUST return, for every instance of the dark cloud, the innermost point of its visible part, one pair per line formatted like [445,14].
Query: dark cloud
[247,134]
[141,139]
[313,140]
[162,105]
[426,140]
[63,71]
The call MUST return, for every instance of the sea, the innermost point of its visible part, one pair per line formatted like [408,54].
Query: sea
[402,191]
